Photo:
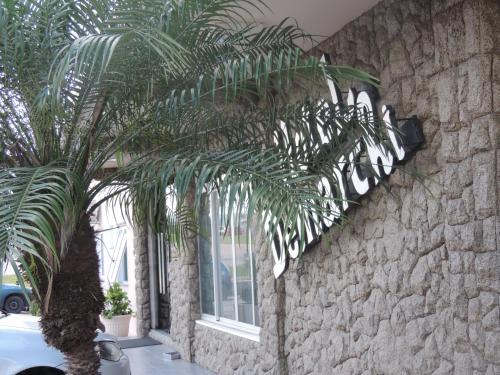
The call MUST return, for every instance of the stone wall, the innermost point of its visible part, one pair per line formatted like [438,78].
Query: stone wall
[184,293]
[184,300]
[411,283]
[227,354]
[143,309]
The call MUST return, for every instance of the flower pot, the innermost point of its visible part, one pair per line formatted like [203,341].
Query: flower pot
[118,325]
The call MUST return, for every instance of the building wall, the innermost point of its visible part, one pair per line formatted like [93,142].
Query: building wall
[116,248]
[411,283]
[116,251]
[228,354]
[141,270]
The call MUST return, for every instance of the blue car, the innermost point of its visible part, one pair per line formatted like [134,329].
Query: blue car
[12,299]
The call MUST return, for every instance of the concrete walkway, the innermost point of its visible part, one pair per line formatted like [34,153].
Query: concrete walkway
[148,360]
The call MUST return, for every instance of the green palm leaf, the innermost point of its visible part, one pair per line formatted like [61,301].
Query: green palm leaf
[184,96]
[35,201]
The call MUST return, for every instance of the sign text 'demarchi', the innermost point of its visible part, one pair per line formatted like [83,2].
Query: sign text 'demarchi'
[352,181]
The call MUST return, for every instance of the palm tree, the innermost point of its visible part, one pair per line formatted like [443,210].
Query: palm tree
[184,96]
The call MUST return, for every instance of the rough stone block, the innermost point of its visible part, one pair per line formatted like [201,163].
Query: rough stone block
[480,133]
[456,264]
[496,81]
[445,368]
[479,80]
[489,234]
[452,180]
[463,364]
[456,212]
[491,321]
[472,28]
[463,237]
[460,337]
[420,279]
[395,278]
[445,85]
[434,260]
[470,286]
[374,229]
[456,35]
[484,184]
[413,306]
[443,335]
[474,310]
[489,300]
[458,299]
[468,259]
[442,7]
[441,57]
[492,347]
[451,148]
[489,27]
[488,271]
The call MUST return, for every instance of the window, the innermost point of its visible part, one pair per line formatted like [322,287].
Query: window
[227,267]
[122,276]
[100,253]
[111,246]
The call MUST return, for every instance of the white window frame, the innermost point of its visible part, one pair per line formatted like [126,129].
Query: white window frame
[234,327]
[100,253]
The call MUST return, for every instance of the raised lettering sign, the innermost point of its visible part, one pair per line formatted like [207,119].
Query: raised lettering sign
[349,186]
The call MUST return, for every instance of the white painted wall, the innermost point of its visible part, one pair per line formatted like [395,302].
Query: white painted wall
[320,18]
[115,247]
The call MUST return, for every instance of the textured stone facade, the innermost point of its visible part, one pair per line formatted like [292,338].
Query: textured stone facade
[143,313]
[225,353]
[184,295]
[184,300]
[411,283]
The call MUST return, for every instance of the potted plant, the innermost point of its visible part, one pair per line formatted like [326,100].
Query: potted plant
[117,311]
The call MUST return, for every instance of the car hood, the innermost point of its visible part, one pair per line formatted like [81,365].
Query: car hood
[20,321]
[30,322]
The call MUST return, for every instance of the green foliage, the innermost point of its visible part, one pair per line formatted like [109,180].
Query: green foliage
[185,95]
[116,302]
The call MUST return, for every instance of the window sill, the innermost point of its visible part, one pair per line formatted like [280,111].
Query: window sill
[249,333]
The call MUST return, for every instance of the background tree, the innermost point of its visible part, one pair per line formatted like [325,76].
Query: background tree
[184,95]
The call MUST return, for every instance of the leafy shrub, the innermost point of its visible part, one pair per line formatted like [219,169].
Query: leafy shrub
[116,302]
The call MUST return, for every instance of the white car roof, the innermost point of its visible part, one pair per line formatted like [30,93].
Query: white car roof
[21,321]
[30,322]
[22,345]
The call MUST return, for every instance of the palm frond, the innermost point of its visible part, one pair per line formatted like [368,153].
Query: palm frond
[272,181]
[193,92]
[35,203]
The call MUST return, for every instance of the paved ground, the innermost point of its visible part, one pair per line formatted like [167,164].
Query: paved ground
[148,360]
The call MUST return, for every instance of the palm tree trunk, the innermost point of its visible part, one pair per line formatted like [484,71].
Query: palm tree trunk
[76,300]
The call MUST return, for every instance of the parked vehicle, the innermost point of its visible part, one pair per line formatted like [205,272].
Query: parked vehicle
[12,298]
[23,350]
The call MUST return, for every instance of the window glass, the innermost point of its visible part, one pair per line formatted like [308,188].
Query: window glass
[228,245]
[226,270]
[123,269]
[243,269]
[100,253]
[206,258]
[254,284]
